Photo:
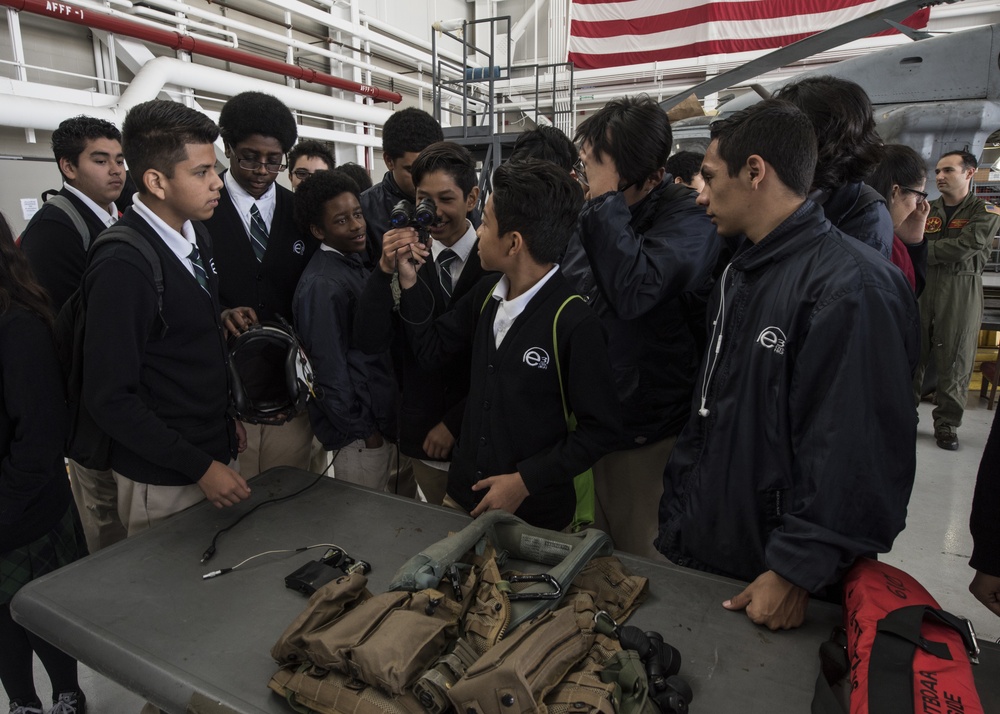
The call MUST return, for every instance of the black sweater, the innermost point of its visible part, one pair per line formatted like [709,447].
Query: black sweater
[430,394]
[266,286]
[162,395]
[34,490]
[514,419]
[55,248]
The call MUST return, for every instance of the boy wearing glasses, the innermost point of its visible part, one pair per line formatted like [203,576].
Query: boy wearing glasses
[259,252]
[307,158]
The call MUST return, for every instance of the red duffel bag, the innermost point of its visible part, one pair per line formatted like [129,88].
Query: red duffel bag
[904,654]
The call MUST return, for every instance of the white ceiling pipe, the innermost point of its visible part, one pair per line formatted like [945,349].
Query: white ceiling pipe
[174,22]
[407,37]
[111,12]
[46,114]
[158,73]
[298,44]
[403,52]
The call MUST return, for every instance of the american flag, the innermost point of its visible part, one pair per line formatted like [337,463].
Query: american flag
[613,33]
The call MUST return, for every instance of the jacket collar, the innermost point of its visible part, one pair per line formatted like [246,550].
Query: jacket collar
[796,231]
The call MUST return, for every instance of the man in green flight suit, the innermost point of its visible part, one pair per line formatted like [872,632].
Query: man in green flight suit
[959,234]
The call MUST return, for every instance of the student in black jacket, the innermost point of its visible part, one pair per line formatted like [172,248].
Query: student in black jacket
[156,380]
[799,456]
[649,254]
[515,451]
[39,528]
[353,411]
[89,154]
[433,396]
[259,251]
[405,134]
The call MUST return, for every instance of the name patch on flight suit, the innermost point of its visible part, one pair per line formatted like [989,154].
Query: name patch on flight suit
[958,223]
[933,224]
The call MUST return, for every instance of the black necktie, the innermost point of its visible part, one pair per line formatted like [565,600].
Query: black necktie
[199,268]
[444,261]
[258,233]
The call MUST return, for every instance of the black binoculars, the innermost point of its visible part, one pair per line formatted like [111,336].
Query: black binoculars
[669,692]
[422,216]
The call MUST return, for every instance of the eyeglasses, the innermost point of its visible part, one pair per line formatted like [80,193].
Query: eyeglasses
[302,174]
[253,165]
[922,194]
[581,172]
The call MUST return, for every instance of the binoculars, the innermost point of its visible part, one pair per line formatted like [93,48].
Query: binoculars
[421,217]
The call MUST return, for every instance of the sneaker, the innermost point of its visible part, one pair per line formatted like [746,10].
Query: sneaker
[69,703]
[946,439]
[34,707]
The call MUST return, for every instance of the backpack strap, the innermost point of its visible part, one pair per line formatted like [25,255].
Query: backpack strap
[555,350]
[61,203]
[124,234]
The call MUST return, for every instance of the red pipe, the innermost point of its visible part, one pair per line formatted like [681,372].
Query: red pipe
[178,41]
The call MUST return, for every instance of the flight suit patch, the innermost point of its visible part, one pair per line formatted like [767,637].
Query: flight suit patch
[933,224]
[958,223]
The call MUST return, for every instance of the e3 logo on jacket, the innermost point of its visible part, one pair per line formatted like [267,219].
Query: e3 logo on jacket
[772,338]
[536,357]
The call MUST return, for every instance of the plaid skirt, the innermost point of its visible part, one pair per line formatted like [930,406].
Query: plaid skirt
[60,546]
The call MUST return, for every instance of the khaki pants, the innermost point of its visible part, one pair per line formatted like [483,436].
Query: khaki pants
[401,476]
[96,496]
[355,463]
[141,505]
[628,486]
[433,482]
[268,446]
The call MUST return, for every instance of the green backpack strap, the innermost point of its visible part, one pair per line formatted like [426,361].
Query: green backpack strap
[567,553]
[555,350]
[583,484]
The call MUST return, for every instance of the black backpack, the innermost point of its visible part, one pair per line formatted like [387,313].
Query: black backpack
[86,443]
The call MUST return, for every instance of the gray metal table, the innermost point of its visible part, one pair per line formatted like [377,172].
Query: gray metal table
[140,613]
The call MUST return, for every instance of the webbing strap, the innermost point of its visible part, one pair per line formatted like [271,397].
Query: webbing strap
[890,669]
[555,350]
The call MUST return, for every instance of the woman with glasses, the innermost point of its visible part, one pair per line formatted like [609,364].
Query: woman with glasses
[901,178]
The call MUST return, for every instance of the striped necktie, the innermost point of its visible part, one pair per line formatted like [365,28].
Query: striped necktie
[444,261]
[199,268]
[258,233]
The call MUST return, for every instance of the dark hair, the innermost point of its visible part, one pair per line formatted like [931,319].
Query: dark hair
[548,144]
[312,149]
[540,201]
[901,165]
[968,160]
[685,164]
[779,133]
[358,173]
[18,287]
[449,157]
[409,130]
[252,113]
[71,136]
[155,135]
[634,131]
[313,193]
[842,117]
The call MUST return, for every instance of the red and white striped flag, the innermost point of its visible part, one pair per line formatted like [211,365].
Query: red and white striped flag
[613,33]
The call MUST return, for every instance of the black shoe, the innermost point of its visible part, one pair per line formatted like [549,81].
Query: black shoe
[34,707]
[69,703]
[947,440]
